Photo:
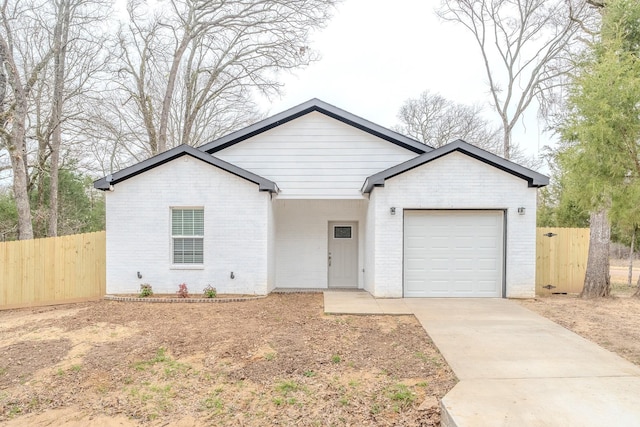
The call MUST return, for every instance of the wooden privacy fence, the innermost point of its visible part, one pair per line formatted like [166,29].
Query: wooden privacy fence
[52,270]
[561,259]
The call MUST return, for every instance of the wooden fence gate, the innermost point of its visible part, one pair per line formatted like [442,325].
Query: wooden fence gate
[54,270]
[561,259]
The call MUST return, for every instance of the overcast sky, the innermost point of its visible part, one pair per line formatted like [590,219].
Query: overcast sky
[378,53]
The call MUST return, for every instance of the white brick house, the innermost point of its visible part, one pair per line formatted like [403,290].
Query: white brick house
[316,197]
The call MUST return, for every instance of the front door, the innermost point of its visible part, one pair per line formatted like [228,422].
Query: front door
[343,255]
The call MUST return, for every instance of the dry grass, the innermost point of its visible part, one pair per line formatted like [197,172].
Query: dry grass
[274,361]
[613,323]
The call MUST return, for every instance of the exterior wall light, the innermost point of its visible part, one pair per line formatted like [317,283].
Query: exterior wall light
[392,211]
[521,211]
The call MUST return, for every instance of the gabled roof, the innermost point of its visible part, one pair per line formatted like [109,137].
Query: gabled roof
[179,151]
[534,179]
[321,107]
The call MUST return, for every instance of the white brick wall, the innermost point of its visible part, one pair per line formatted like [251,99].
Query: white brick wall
[302,230]
[283,243]
[271,248]
[455,181]
[236,230]
[370,245]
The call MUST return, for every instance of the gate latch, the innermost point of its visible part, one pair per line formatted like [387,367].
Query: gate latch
[550,234]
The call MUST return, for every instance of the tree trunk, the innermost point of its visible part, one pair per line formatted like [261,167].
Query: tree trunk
[631,253]
[39,221]
[507,140]
[168,95]
[597,279]
[16,147]
[21,194]
[61,36]
[637,293]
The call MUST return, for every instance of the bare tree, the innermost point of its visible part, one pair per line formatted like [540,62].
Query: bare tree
[436,121]
[523,45]
[50,55]
[17,78]
[71,74]
[189,66]
[60,40]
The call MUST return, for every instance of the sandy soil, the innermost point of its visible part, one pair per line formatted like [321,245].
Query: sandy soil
[613,323]
[274,361]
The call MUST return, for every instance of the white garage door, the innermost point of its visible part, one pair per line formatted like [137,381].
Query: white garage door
[453,253]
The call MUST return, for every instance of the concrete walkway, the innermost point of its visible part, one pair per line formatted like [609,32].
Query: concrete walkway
[516,368]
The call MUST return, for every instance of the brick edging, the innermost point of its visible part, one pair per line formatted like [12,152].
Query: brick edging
[181,300]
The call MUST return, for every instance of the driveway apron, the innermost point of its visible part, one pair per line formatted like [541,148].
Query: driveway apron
[516,368]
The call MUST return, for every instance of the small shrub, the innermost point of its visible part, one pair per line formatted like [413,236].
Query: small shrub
[183,292]
[336,358]
[145,290]
[209,292]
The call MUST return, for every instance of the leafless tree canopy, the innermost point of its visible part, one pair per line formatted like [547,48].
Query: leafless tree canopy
[49,57]
[82,85]
[525,46]
[436,121]
[187,69]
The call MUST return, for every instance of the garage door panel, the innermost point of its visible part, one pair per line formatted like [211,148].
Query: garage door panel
[438,242]
[438,264]
[463,286]
[486,243]
[441,286]
[462,243]
[460,253]
[485,286]
[487,265]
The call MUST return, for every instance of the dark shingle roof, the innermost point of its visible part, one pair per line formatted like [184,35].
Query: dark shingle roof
[183,150]
[534,179]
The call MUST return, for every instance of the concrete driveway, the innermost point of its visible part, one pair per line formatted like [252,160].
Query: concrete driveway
[516,368]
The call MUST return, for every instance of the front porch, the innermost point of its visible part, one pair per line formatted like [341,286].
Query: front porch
[318,244]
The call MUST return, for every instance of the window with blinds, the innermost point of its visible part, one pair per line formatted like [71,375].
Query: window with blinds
[187,233]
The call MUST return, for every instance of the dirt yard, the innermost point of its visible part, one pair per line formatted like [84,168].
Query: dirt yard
[613,323]
[275,361]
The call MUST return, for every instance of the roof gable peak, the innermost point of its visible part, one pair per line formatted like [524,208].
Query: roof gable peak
[323,108]
[533,178]
[107,183]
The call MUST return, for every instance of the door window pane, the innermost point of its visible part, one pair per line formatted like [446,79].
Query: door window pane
[342,232]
